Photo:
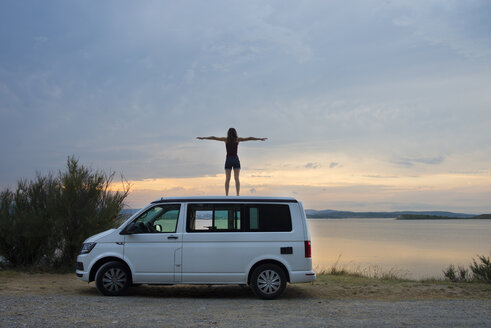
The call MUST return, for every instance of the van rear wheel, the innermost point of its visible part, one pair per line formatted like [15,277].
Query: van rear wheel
[268,281]
[113,279]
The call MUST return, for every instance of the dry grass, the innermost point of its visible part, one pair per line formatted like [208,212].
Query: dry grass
[372,271]
[327,286]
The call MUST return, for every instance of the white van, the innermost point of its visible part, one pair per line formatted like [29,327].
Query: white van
[260,241]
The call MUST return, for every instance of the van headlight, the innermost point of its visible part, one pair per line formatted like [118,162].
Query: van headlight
[87,247]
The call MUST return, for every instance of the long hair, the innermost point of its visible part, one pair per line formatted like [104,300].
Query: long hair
[232,136]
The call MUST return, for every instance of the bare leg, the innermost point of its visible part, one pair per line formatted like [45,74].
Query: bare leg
[237,181]
[228,173]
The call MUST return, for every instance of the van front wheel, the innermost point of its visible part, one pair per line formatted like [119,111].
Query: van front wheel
[268,281]
[113,279]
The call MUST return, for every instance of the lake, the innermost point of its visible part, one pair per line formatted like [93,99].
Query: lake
[418,249]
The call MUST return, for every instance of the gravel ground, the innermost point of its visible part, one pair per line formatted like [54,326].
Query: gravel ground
[232,306]
[61,300]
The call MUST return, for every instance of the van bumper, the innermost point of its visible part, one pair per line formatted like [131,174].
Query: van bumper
[302,276]
[84,276]
[82,266]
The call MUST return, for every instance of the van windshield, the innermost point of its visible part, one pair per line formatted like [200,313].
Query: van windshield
[161,218]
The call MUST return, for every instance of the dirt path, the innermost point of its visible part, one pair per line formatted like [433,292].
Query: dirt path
[35,300]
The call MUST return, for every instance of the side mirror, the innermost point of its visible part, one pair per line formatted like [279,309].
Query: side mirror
[158,227]
[129,229]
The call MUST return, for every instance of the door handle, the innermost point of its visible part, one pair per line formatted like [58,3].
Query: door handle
[172,237]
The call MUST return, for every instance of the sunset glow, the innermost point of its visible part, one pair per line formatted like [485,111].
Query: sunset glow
[321,187]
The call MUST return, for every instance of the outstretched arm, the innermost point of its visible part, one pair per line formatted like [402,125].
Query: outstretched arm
[252,139]
[212,138]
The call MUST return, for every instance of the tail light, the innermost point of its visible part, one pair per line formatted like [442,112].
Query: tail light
[308,249]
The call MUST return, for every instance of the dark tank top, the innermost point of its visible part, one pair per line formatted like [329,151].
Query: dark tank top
[232,148]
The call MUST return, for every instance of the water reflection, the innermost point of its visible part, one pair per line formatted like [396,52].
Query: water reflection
[421,249]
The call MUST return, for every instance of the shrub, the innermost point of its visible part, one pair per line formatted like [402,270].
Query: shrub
[85,206]
[450,273]
[26,220]
[7,225]
[461,274]
[482,271]
[46,220]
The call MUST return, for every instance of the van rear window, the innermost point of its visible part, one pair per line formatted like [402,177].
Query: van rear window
[269,217]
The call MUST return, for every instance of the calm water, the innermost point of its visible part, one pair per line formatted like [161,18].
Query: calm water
[419,249]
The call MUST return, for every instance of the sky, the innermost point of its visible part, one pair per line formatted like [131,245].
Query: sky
[367,105]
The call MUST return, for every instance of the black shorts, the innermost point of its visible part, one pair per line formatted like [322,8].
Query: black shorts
[232,162]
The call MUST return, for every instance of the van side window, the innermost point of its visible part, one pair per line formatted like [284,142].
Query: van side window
[237,217]
[269,217]
[213,218]
[158,219]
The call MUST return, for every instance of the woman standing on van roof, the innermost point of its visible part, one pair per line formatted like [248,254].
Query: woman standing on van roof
[232,161]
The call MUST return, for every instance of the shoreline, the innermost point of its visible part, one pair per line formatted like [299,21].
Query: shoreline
[436,218]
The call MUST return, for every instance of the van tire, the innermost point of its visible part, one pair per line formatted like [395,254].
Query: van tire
[113,279]
[268,281]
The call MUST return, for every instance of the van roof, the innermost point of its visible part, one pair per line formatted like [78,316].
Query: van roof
[226,199]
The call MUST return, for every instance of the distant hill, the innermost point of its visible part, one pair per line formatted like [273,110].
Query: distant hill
[483,217]
[436,217]
[333,214]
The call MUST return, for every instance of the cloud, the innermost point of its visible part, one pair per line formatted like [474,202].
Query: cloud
[378,176]
[455,29]
[333,165]
[412,161]
[312,165]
